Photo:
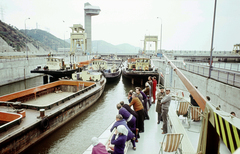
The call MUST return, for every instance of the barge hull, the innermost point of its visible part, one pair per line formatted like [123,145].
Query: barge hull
[21,139]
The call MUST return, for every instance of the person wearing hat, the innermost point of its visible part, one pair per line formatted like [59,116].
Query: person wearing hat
[165,102]
[119,138]
[160,96]
[98,148]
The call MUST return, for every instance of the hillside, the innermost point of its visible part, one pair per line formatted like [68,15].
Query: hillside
[105,47]
[13,37]
[47,39]
[42,41]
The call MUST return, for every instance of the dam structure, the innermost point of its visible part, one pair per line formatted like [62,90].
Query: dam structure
[89,11]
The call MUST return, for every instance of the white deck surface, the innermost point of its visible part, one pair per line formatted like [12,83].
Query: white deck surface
[149,141]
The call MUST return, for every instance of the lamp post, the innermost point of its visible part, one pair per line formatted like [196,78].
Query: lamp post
[211,50]
[26,37]
[159,74]
[160,35]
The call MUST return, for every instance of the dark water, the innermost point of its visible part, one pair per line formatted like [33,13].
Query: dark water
[75,136]
[21,85]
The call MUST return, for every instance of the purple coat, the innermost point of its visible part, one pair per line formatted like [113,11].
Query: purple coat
[124,113]
[144,95]
[119,143]
[123,122]
[99,149]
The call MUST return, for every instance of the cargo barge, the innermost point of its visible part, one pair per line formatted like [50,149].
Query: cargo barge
[43,109]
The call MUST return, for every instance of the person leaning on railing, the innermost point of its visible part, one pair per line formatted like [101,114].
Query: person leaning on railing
[119,141]
[131,119]
[130,134]
[138,107]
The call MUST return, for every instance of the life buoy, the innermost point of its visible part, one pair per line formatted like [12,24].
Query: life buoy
[182,94]
[44,123]
[91,68]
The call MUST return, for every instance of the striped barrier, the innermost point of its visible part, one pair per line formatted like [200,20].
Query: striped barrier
[228,133]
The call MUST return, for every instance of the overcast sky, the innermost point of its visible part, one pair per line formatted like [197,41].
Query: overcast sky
[186,24]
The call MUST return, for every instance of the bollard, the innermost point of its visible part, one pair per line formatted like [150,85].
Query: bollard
[42,113]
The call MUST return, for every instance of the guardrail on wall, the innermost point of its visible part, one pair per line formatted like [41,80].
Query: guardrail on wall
[226,76]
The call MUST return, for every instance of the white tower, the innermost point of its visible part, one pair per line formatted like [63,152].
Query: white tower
[89,11]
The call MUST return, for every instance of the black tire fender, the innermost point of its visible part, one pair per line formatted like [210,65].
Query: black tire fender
[44,123]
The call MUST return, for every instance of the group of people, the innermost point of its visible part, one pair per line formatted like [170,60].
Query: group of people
[130,122]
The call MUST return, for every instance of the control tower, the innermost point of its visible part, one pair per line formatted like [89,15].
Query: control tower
[89,11]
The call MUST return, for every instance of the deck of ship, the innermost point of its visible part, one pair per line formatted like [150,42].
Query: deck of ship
[149,141]
[32,116]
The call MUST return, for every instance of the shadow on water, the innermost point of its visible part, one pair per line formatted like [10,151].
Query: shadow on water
[75,136]
[21,85]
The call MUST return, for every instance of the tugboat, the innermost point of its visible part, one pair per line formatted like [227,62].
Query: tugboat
[139,68]
[110,71]
[30,115]
[57,68]
[113,59]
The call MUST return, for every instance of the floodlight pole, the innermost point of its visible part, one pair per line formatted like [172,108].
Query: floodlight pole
[26,37]
[210,62]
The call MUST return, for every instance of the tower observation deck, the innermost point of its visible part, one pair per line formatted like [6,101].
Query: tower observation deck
[89,11]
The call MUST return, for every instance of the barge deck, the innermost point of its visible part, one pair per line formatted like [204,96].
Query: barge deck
[60,107]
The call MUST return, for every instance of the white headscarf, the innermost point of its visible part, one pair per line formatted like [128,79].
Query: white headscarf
[95,141]
[122,129]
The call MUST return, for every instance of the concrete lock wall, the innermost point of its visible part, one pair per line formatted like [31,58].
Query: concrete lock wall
[221,94]
[13,70]
[16,70]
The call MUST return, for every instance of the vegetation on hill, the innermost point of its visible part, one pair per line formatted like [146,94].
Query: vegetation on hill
[47,39]
[39,38]
[12,36]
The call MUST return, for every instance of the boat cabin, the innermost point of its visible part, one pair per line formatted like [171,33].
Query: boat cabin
[97,64]
[87,76]
[55,63]
[111,69]
[139,64]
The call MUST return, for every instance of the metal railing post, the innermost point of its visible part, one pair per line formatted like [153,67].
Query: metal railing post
[227,77]
[234,79]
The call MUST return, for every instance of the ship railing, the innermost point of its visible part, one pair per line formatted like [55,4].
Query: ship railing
[213,122]
[60,101]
